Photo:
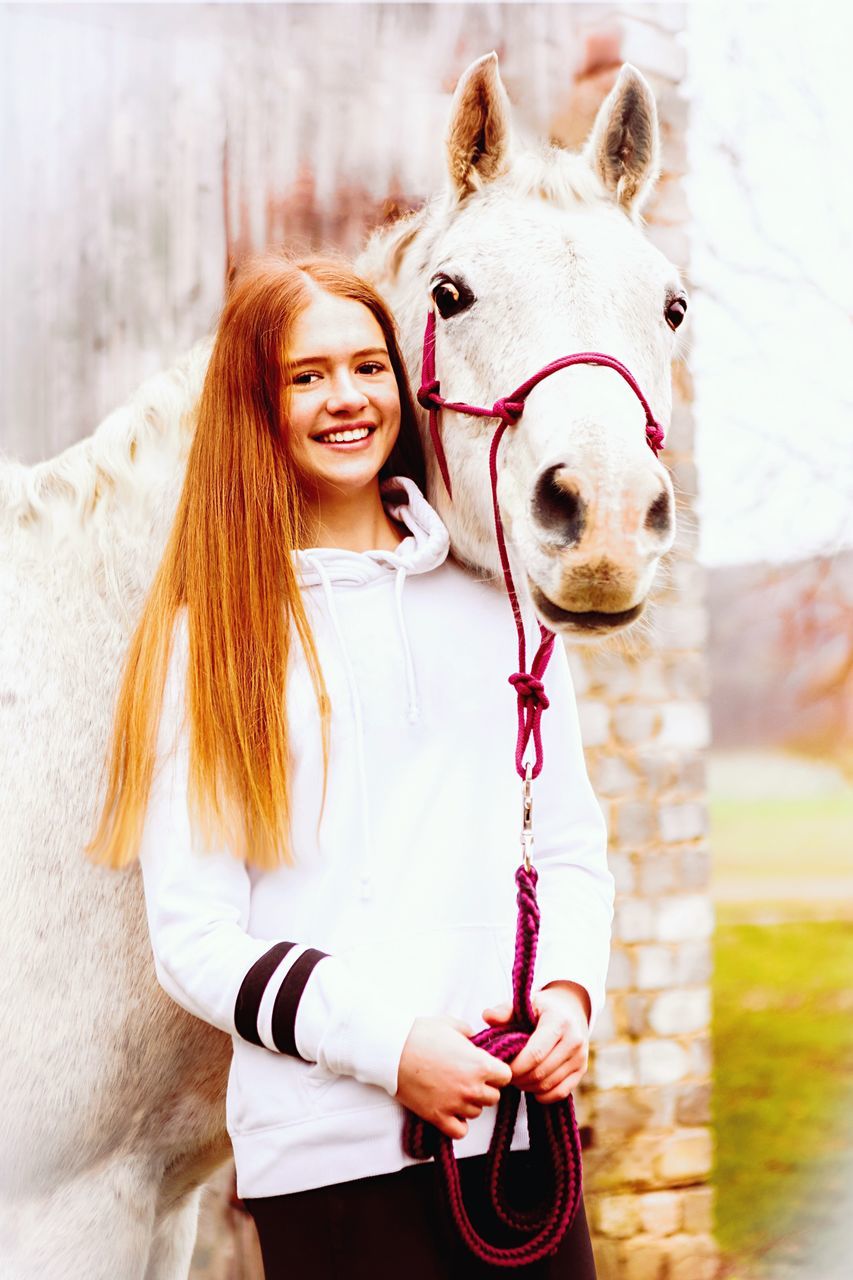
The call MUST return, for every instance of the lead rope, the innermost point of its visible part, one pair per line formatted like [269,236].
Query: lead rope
[552,1129]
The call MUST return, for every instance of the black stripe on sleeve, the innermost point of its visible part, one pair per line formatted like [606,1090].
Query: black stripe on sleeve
[287,1001]
[252,990]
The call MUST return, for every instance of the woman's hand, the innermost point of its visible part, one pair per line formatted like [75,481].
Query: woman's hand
[446,1079]
[556,1056]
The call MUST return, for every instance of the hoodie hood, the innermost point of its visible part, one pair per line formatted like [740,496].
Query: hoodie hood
[328,568]
[425,548]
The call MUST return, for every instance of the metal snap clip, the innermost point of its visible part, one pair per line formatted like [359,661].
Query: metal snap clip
[527,817]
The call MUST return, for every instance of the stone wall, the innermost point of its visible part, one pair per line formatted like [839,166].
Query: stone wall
[645,722]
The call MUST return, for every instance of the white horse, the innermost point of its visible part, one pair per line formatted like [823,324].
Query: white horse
[112,1097]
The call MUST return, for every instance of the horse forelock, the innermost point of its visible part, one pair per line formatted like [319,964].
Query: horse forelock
[549,173]
[545,172]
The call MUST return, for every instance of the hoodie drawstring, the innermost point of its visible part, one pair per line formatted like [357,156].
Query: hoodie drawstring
[364,878]
[412,713]
[411,686]
[425,548]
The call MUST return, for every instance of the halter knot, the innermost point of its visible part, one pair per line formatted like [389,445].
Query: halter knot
[508,410]
[530,688]
[427,393]
[654,436]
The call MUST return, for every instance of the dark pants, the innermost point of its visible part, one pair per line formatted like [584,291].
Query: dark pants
[396,1226]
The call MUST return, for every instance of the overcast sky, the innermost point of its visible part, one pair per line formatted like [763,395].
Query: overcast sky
[771,190]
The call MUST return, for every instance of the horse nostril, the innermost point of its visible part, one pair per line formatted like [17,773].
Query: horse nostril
[659,514]
[558,506]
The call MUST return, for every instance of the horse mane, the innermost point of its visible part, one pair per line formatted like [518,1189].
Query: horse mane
[143,439]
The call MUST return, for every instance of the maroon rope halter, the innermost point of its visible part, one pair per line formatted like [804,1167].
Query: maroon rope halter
[553,1127]
[528,685]
[510,408]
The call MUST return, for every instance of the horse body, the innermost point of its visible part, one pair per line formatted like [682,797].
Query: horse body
[113,1096]
[113,1111]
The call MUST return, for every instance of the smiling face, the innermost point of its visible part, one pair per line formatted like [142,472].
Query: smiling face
[343,404]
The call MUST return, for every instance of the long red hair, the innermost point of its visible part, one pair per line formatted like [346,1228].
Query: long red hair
[228,561]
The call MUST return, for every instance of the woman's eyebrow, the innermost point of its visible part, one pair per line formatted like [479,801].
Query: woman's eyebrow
[355,355]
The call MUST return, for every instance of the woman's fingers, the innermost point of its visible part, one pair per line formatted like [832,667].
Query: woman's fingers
[548,1067]
[494,1073]
[564,1057]
[538,1048]
[575,1065]
[498,1014]
[483,1096]
[453,1126]
[561,1091]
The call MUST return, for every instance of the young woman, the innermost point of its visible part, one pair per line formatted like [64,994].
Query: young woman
[314,759]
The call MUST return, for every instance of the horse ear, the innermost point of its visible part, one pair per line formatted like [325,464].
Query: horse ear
[479,133]
[624,145]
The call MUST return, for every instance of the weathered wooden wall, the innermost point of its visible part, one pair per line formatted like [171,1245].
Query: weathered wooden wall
[139,143]
[143,148]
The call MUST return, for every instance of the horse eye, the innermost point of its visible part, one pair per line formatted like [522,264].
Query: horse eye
[676,309]
[451,297]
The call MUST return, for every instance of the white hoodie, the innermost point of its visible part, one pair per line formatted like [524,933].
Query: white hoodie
[405,904]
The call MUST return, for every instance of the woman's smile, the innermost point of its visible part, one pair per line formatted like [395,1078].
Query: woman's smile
[349,438]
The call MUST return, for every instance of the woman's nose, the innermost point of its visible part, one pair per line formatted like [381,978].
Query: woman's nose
[346,395]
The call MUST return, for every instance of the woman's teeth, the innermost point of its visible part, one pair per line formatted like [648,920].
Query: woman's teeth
[342,437]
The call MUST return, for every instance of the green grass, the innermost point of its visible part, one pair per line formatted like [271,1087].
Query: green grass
[801,836]
[783,1047]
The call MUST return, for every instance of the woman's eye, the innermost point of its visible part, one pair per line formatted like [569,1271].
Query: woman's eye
[676,309]
[303,379]
[451,297]
[372,366]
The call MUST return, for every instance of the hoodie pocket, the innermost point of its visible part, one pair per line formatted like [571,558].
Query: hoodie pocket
[266,1090]
[453,972]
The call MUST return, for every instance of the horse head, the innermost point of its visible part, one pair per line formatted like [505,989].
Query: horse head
[533,253]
